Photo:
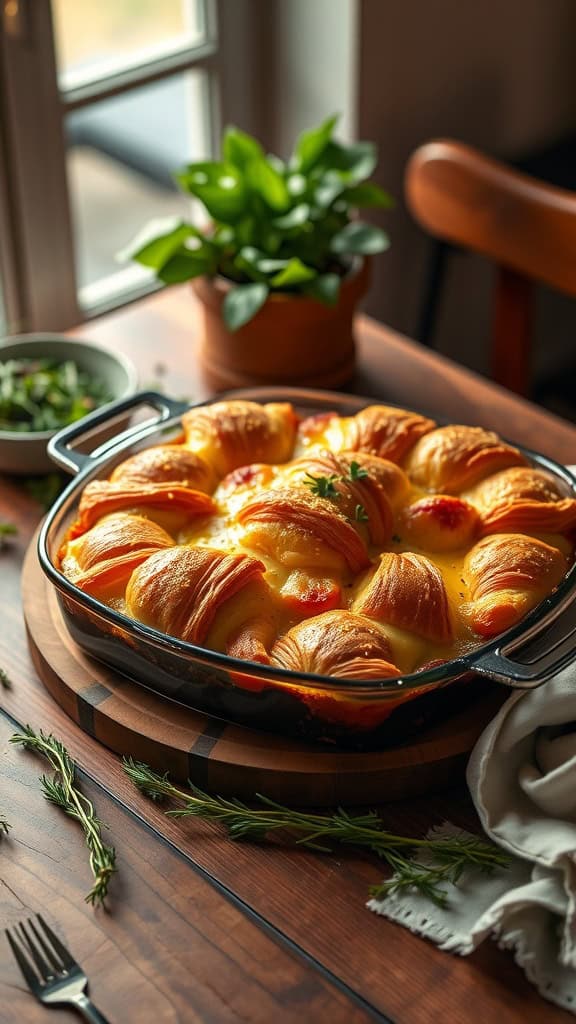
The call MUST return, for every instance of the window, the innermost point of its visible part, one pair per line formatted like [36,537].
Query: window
[99,103]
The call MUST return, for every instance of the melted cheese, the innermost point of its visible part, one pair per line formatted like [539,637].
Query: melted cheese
[285,544]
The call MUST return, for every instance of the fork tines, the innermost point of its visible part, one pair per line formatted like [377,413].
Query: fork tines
[40,954]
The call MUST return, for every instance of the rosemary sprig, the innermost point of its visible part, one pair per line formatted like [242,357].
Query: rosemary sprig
[62,790]
[448,856]
[427,876]
[323,486]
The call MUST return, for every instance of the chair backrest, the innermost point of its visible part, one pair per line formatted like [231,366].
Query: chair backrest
[528,228]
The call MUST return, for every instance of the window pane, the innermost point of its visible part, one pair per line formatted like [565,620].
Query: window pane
[94,39]
[122,153]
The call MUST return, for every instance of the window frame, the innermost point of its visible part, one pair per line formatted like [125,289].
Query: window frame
[36,230]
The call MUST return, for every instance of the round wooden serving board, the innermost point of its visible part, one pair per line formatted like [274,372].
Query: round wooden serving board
[226,758]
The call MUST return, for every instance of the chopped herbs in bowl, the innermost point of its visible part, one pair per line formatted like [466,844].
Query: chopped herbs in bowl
[43,394]
[47,382]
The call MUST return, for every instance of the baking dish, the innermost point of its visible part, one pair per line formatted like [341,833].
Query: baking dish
[347,712]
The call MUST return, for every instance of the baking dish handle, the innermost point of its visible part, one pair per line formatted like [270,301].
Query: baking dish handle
[547,650]
[74,461]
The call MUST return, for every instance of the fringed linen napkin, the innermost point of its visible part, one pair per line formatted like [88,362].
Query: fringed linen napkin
[522,778]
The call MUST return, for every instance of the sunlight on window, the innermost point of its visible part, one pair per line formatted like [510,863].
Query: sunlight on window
[96,39]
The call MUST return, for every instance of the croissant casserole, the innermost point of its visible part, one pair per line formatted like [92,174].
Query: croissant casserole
[363,547]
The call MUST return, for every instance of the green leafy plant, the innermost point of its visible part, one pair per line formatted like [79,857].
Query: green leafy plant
[275,226]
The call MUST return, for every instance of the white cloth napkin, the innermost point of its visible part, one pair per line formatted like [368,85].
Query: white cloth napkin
[522,778]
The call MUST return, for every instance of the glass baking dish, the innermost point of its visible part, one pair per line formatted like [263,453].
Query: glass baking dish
[349,713]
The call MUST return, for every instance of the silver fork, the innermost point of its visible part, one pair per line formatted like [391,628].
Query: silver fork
[50,971]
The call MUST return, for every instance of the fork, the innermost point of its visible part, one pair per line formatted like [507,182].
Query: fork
[50,971]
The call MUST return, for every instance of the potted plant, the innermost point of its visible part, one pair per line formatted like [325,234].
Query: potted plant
[283,260]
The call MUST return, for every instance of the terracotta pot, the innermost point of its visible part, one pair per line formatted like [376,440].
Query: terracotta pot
[291,340]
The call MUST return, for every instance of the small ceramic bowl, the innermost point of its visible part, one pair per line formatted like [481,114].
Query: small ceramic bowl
[24,452]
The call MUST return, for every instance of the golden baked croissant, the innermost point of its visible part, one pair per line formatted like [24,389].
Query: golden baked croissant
[234,433]
[336,643]
[523,499]
[166,463]
[300,529]
[107,580]
[112,537]
[507,575]
[381,430]
[361,485]
[455,457]
[102,560]
[189,593]
[439,522]
[102,497]
[407,590]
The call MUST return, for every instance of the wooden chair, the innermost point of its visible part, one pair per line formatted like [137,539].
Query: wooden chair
[528,228]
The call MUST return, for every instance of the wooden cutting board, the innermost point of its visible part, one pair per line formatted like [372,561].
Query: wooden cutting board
[226,758]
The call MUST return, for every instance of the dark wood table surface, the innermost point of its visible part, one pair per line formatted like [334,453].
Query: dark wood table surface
[199,928]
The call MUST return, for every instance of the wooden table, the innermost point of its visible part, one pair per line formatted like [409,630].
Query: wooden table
[199,928]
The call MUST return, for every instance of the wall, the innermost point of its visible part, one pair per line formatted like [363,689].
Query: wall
[500,75]
[313,69]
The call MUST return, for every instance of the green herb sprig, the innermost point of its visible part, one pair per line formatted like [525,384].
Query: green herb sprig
[356,472]
[320,832]
[323,486]
[62,790]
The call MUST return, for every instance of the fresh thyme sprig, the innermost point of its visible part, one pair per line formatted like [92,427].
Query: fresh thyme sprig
[448,855]
[356,472]
[323,486]
[62,790]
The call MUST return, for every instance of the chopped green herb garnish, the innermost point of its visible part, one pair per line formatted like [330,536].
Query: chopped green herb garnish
[43,394]
[356,472]
[360,514]
[323,486]
[7,530]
